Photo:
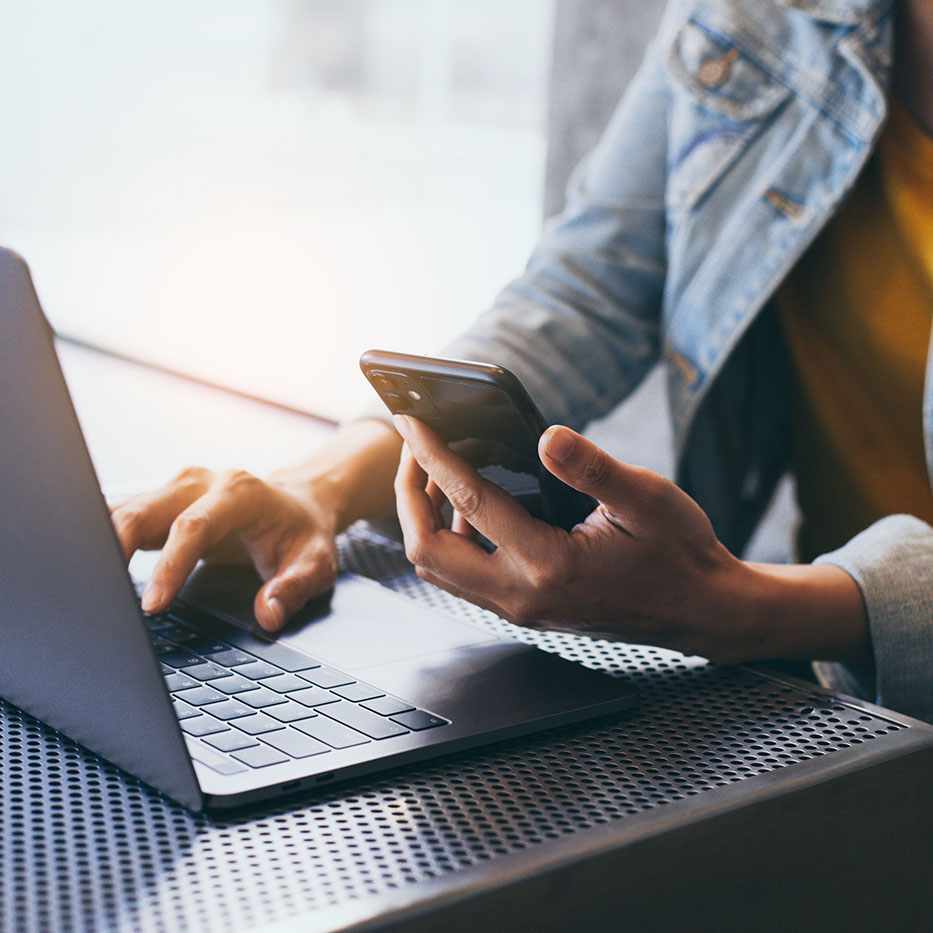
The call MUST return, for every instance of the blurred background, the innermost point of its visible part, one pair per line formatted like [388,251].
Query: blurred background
[252,192]
[255,191]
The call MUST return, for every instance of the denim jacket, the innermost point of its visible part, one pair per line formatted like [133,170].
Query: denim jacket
[745,127]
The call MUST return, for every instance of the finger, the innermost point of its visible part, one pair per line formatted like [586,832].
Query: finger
[438,499]
[462,527]
[143,522]
[308,569]
[413,502]
[225,507]
[631,496]
[459,565]
[487,507]
[427,543]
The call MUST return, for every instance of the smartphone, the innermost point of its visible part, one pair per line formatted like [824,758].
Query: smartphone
[484,414]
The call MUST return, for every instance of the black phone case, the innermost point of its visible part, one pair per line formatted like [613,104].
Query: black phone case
[477,409]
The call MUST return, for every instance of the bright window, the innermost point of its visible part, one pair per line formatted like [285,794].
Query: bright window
[254,191]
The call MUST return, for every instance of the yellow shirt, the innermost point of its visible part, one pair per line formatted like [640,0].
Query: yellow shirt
[856,313]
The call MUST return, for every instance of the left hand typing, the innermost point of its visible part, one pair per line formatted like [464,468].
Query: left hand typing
[645,566]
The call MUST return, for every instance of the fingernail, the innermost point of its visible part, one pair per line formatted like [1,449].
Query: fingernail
[152,598]
[276,610]
[559,445]
[402,425]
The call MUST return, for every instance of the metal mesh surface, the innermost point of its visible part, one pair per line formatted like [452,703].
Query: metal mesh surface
[83,846]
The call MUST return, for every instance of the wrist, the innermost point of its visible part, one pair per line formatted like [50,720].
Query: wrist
[805,612]
[350,477]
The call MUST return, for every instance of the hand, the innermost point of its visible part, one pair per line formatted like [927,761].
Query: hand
[285,526]
[233,517]
[645,566]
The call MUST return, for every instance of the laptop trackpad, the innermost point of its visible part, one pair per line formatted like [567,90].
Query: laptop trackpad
[358,625]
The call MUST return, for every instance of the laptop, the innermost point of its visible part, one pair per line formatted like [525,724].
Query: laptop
[197,702]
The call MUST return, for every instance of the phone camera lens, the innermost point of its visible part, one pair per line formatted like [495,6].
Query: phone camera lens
[396,402]
[383,382]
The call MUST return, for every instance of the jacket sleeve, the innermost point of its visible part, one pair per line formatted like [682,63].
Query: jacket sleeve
[892,562]
[581,326]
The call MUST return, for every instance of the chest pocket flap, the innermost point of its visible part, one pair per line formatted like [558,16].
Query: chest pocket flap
[721,98]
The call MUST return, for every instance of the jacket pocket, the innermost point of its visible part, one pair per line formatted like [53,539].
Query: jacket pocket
[721,98]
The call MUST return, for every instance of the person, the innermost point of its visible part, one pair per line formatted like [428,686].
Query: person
[757,216]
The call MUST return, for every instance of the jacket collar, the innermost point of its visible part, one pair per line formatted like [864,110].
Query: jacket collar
[843,12]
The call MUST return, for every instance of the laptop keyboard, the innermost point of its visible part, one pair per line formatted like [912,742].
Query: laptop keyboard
[244,703]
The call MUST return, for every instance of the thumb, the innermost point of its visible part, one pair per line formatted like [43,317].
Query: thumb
[629,494]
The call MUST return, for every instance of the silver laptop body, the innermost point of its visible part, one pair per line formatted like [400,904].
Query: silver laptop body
[363,680]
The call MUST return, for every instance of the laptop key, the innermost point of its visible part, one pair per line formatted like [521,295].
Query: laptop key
[376,727]
[387,706]
[261,698]
[181,636]
[417,720]
[333,733]
[256,725]
[230,741]
[205,671]
[326,677]
[296,744]
[176,681]
[313,696]
[179,658]
[200,696]
[260,756]
[281,656]
[225,655]
[256,670]
[202,725]
[234,684]
[358,691]
[231,709]
[283,683]
[289,712]
[183,710]
[213,759]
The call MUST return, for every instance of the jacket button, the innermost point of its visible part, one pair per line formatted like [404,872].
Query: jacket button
[714,71]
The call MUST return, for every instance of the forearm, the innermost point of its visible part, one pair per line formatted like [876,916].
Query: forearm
[807,612]
[353,473]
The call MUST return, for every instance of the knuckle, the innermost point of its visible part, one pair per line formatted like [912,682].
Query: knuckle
[547,577]
[596,471]
[191,476]
[128,518]
[465,499]
[327,562]
[415,552]
[239,482]
[192,524]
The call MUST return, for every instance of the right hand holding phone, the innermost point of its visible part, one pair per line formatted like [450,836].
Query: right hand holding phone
[645,566]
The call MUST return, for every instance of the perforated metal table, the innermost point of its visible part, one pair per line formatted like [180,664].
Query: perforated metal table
[728,799]
[86,847]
